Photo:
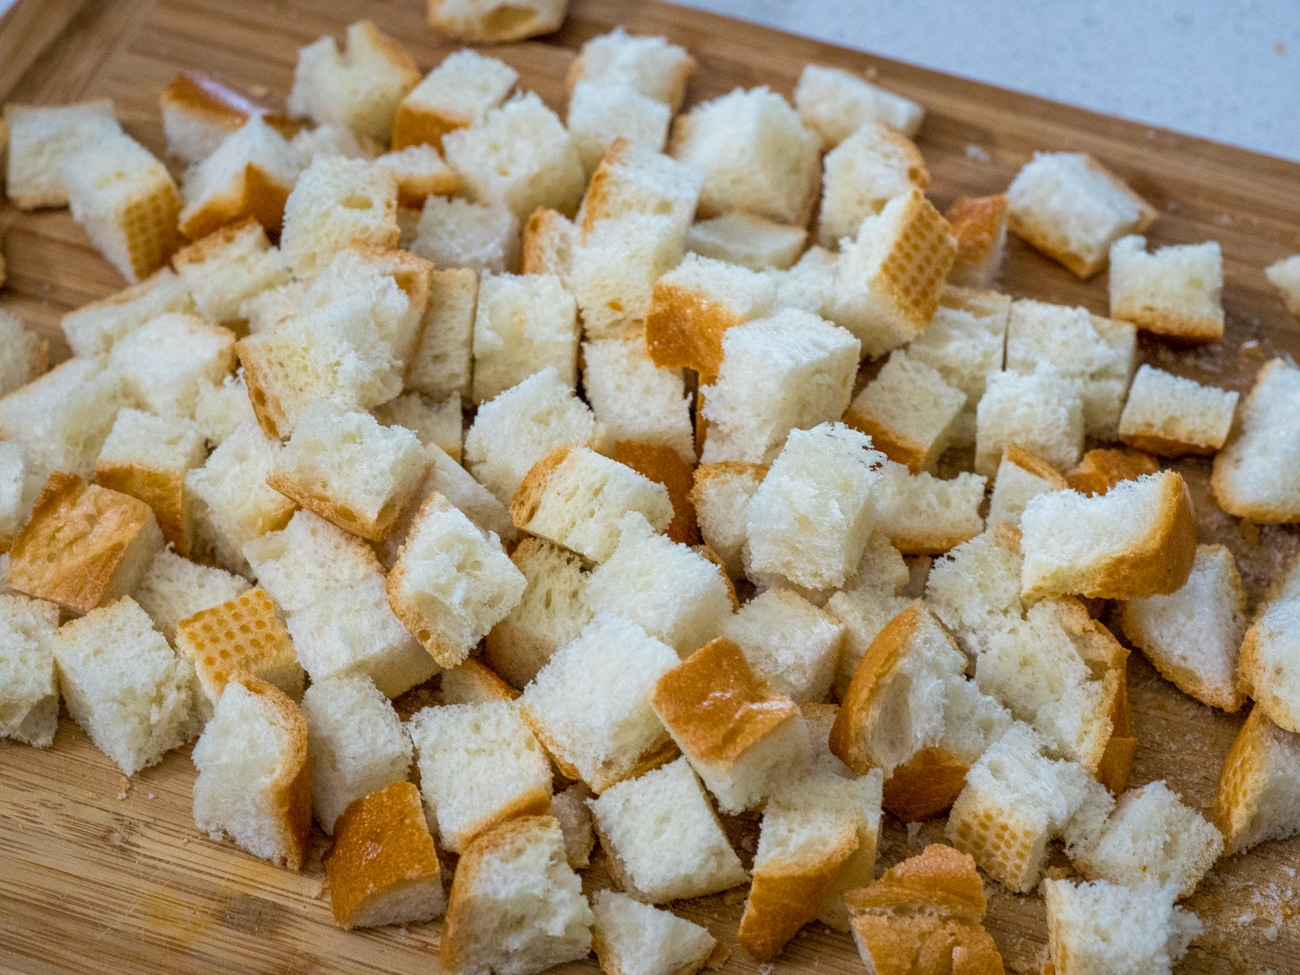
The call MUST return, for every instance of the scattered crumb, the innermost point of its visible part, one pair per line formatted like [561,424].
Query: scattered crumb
[151,795]
[1279,47]
[977,153]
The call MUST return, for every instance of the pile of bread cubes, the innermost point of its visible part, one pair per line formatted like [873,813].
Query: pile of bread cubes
[561,431]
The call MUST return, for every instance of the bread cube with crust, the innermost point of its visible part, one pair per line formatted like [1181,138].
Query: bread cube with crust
[1175,292]
[524,323]
[1170,415]
[1285,276]
[174,589]
[980,225]
[921,514]
[651,65]
[228,267]
[1253,474]
[836,104]
[1072,208]
[92,329]
[1266,670]
[421,173]
[24,356]
[29,688]
[600,113]
[456,94]
[306,558]
[494,22]
[1022,475]
[614,270]
[335,202]
[747,240]
[633,179]
[438,425]
[249,175]
[633,399]
[1041,411]
[549,239]
[788,642]
[442,363]
[40,137]
[908,411]
[161,363]
[455,233]
[631,938]
[721,496]
[665,466]
[1101,469]
[1099,927]
[472,683]
[570,809]
[1259,789]
[861,174]
[198,112]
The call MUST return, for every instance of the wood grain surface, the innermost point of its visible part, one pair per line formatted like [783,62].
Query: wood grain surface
[101,875]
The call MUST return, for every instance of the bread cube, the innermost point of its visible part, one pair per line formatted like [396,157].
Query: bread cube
[923,515]
[161,363]
[1259,789]
[249,175]
[266,310]
[590,707]
[721,496]
[549,239]
[665,466]
[40,137]
[1266,670]
[632,179]
[662,837]
[24,356]
[601,113]
[908,411]
[631,938]
[1170,415]
[788,642]
[975,588]
[480,766]
[1072,208]
[521,426]
[421,173]
[229,266]
[1253,474]
[756,156]
[1285,276]
[29,689]
[305,559]
[651,65]
[1022,475]
[1101,469]
[1041,411]
[434,424]
[335,202]
[673,593]
[861,174]
[198,112]
[383,867]
[62,418]
[1100,927]
[615,268]
[494,22]
[174,589]
[20,484]
[979,223]
[456,94]
[472,683]
[454,233]
[524,323]
[1174,292]
[633,399]
[835,104]
[123,685]
[441,364]
[254,785]
[92,329]
[752,242]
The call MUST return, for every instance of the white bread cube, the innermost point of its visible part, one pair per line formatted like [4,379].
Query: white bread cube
[1192,636]
[866,605]
[456,94]
[1021,475]
[421,173]
[124,685]
[310,144]
[756,155]
[233,504]
[1138,539]
[861,174]
[1174,291]
[600,113]
[673,593]
[631,938]
[721,496]
[747,240]
[908,411]
[455,233]
[1285,276]
[521,426]
[635,400]
[524,323]
[335,202]
[1259,790]
[614,270]
[24,356]
[1169,415]
[810,518]
[923,515]
[29,689]
[92,329]
[1072,208]
[451,583]
[174,589]
[127,202]
[266,310]
[356,744]
[306,558]
[633,179]
[788,372]
[975,588]
[248,176]
[229,266]
[472,683]
[198,112]
[479,767]
[806,285]
[1041,411]
[570,809]
[1266,669]
[520,156]
[577,498]
[549,239]
[835,104]
[516,905]
[590,708]
[254,785]
[1099,928]
[663,838]
[358,88]
[20,484]
[434,424]
[161,363]
[41,137]
[1253,474]
[551,614]
[443,359]
[651,65]
[980,225]
[788,642]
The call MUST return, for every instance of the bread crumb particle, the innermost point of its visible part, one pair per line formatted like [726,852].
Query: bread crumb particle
[976,152]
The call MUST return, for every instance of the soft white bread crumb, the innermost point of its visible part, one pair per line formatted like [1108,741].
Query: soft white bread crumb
[1041,411]
[631,938]
[434,424]
[454,95]
[161,363]
[1021,475]
[228,267]
[20,484]
[756,155]
[836,103]
[651,65]
[335,202]
[663,839]
[23,355]
[549,239]
[614,270]
[1174,291]
[1266,670]
[1253,474]
[908,411]
[92,329]
[267,309]
[1070,207]
[1100,928]
[721,497]
[248,176]
[980,225]
[124,685]
[788,642]
[29,689]
[356,744]
[40,137]
[975,588]
[861,174]
[635,400]
[301,562]
[921,514]
[866,604]
[788,372]
[632,179]
[312,143]
[591,709]
[601,113]
[1259,790]
[1285,276]
[806,285]
[1170,415]
[442,361]
[524,324]
[455,233]
[174,589]
[747,240]
[479,766]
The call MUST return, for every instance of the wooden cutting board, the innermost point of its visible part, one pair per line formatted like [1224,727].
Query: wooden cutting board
[101,874]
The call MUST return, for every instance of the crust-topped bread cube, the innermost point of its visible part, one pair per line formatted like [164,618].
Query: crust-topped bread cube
[162,363]
[454,233]
[92,329]
[301,562]
[40,137]
[788,642]
[454,95]
[421,173]
[633,399]
[174,589]
[228,267]
[1101,469]
[1022,475]
[335,202]
[250,175]
[836,103]
[863,173]
[524,323]
[908,411]
[549,239]
[494,22]
[442,361]
[980,225]
[1266,670]
[631,938]
[1098,928]
[599,114]
[1041,411]
[1254,474]
[632,179]
[1285,276]
[651,65]
[721,496]
[614,270]
[1259,790]
[29,689]
[198,112]
[1175,292]
[1170,415]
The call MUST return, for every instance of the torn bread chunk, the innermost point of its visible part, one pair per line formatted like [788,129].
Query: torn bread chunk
[24,356]
[921,514]
[472,683]
[161,363]
[1171,416]
[250,175]
[664,466]
[861,174]
[633,399]
[599,114]
[721,495]
[549,239]
[788,642]
[1041,411]
[632,179]
[980,225]
[455,233]
[523,324]
[866,604]
[614,270]
[1022,475]
[442,363]
[494,22]
[631,938]
[1266,670]
[651,65]
[1259,790]
[1072,208]
[92,329]
[836,103]
[456,94]
[40,137]
[806,285]
[1101,469]
[752,242]
[306,558]
[174,589]
[1098,928]
[1175,292]
[228,267]
[29,689]
[908,411]
[335,202]
[1285,276]
[1253,474]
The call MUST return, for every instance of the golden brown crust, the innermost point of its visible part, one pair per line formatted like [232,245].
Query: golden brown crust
[528,496]
[243,636]
[253,192]
[895,445]
[1173,327]
[338,512]
[976,223]
[1236,804]
[202,96]
[505,22]
[716,559]
[684,329]
[913,272]
[292,787]
[1031,463]
[473,683]
[267,408]
[163,491]
[665,466]
[548,243]
[602,187]
[926,786]
[417,125]
[1101,469]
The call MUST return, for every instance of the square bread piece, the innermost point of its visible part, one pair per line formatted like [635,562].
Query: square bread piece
[198,112]
[62,418]
[788,372]
[455,233]
[494,22]
[633,399]
[351,471]
[747,240]
[614,270]
[480,766]
[40,137]
[516,905]
[632,179]
[456,94]
[756,156]
[590,708]
[523,324]
[299,563]
[472,683]
[1099,928]
[739,736]
[1101,469]
[1266,670]
[1072,208]
[1041,411]
[863,173]
[20,484]
[908,411]
[174,589]
[549,239]
[383,867]
[631,938]
[651,65]
[442,361]
[85,545]
[788,642]
[1021,475]
[229,266]
[254,786]
[721,496]
[162,362]
[29,688]
[249,175]
[835,104]
[92,329]
[421,173]
[980,225]
[1259,789]
[673,593]
[438,425]
[221,407]
[1285,276]
[452,583]
[1175,292]
[599,114]
[663,838]
[1254,473]
[126,688]
[335,202]
[148,457]
[570,808]
[921,514]
[356,744]
[24,356]
[1171,416]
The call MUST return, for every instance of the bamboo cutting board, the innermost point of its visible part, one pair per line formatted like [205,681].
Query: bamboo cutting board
[105,875]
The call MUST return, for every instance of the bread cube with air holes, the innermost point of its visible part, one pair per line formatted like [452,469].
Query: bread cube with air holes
[1266,669]
[1259,789]
[24,356]
[975,588]
[921,514]
[40,137]
[549,239]
[908,411]
[229,266]
[480,766]
[337,201]
[599,114]
[633,399]
[456,94]
[835,104]
[29,688]
[442,361]
[249,175]
[161,363]
[1022,475]
[663,838]
[651,65]
[861,174]
[434,424]
[632,179]
[1041,411]
[421,173]
[92,329]
[254,785]
[123,685]
[1253,473]
[1170,415]
[455,233]
[980,225]
[788,642]
[472,683]
[174,589]
[524,324]
[301,562]
[721,496]
[631,938]
[614,270]
[1099,927]
[1175,291]
[752,242]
